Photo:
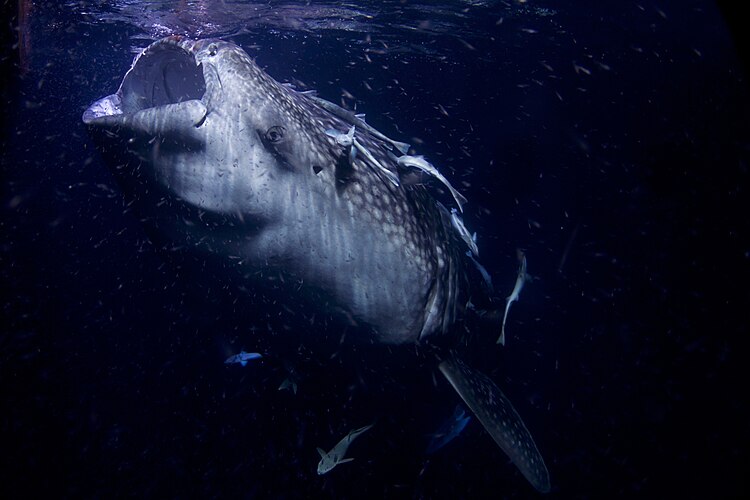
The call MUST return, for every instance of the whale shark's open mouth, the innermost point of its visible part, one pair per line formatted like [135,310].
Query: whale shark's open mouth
[166,75]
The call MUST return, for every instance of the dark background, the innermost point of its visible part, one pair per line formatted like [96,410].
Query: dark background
[625,357]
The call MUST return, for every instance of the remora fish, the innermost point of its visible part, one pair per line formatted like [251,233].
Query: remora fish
[420,163]
[485,275]
[224,158]
[513,297]
[469,239]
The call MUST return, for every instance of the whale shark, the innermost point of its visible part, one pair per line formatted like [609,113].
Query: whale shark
[226,160]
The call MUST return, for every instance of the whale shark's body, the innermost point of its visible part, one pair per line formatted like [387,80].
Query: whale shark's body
[226,159]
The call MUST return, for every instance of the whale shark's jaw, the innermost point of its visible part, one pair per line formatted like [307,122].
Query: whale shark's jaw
[166,78]
[178,152]
[182,130]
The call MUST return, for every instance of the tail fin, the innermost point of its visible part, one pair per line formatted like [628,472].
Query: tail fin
[356,432]
[500,419]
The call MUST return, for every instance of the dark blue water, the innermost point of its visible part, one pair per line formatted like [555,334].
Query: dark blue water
[609,142]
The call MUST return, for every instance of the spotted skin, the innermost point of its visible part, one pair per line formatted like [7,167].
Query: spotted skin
[500,419]
[260,153]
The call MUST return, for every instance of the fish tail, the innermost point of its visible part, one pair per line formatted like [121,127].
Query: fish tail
[401,146]
[501,338]
[500,419]
[460,199]
[353,434]
[508,302]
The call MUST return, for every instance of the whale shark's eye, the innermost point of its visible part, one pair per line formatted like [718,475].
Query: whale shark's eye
[212,49]
[275,134]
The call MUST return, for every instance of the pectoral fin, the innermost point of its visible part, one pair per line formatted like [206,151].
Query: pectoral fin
[500,419]
[344,460]
[321,452]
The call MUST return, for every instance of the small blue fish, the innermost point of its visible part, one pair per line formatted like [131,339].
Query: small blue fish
[242,358]
[448,430]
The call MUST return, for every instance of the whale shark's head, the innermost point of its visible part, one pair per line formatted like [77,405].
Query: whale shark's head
[200,120]
[218,154]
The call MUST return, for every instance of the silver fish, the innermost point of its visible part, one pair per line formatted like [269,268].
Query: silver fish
[336,456]
[485,275]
